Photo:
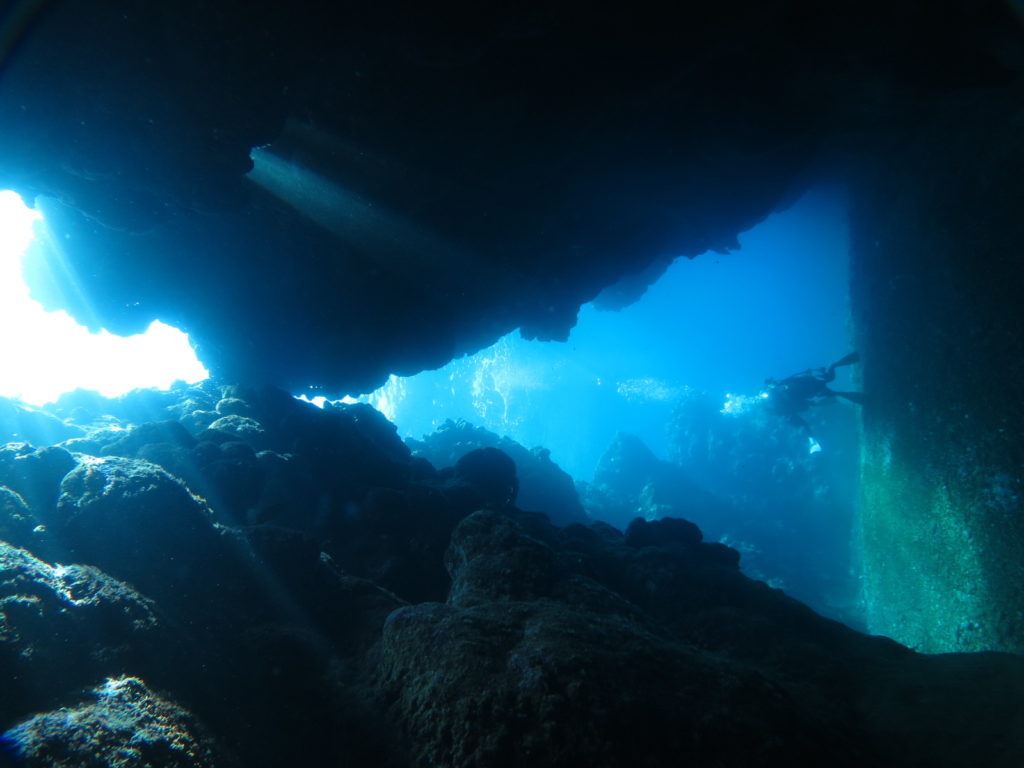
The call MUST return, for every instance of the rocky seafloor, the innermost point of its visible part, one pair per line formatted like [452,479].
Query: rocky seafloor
[224,576]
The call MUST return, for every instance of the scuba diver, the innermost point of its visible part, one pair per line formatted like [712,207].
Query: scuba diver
[799,392]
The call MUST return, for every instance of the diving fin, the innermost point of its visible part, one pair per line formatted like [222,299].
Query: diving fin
[853,397]
[850,359]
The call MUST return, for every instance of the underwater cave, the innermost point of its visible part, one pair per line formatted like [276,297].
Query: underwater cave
[470,385]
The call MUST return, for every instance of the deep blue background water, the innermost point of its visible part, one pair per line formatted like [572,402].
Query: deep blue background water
[717,323]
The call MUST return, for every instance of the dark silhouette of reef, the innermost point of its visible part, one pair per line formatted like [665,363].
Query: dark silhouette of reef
[542,484]
[224,575]
[791,514]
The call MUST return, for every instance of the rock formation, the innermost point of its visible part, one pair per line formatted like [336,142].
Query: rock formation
[391,613]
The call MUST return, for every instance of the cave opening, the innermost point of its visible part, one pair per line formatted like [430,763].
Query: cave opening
[718,324]
[655,410]
[46,353]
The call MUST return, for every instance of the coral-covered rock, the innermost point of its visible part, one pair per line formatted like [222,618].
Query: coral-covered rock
[347,610]
[170,433]
[123,724]
[289,495]
[62,626]
[528,663]
[228,475]
[552,645]
[287,637]
[349,448]
[664,532]
[240,428]
[35,473]
[543,485]
[138,523]
[492,558]
[375,429]
[491,473]
[233,406]
[17,523]
[397,539]
[701,664]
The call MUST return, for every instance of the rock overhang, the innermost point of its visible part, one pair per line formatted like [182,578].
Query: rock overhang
[426,182]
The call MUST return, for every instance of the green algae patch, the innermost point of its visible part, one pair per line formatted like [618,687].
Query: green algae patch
[925,578]
[936,288]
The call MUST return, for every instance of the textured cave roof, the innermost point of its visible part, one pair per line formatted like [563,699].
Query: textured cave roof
[460,169]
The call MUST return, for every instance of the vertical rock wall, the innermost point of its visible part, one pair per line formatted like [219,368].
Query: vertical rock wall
[938,302]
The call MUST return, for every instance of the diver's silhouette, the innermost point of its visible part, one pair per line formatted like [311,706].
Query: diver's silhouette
[799,392]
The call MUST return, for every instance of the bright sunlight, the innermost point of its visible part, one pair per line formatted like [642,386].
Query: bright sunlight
[43,354]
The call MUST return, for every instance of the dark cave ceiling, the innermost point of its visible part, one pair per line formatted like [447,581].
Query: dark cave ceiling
[433,176]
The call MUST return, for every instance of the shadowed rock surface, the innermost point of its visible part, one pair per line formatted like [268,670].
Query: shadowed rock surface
[748,480]
[64,624]
[438,178]
[438,633]
[542,485]
[125,724]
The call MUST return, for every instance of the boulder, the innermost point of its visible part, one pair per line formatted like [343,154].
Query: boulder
[35,473]
[543,485]
[17,522]
[653,649]
[138,523]
[62,626]
[122,723]
[397,539]
[517,669]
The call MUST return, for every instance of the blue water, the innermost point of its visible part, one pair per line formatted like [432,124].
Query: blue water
[717,323]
